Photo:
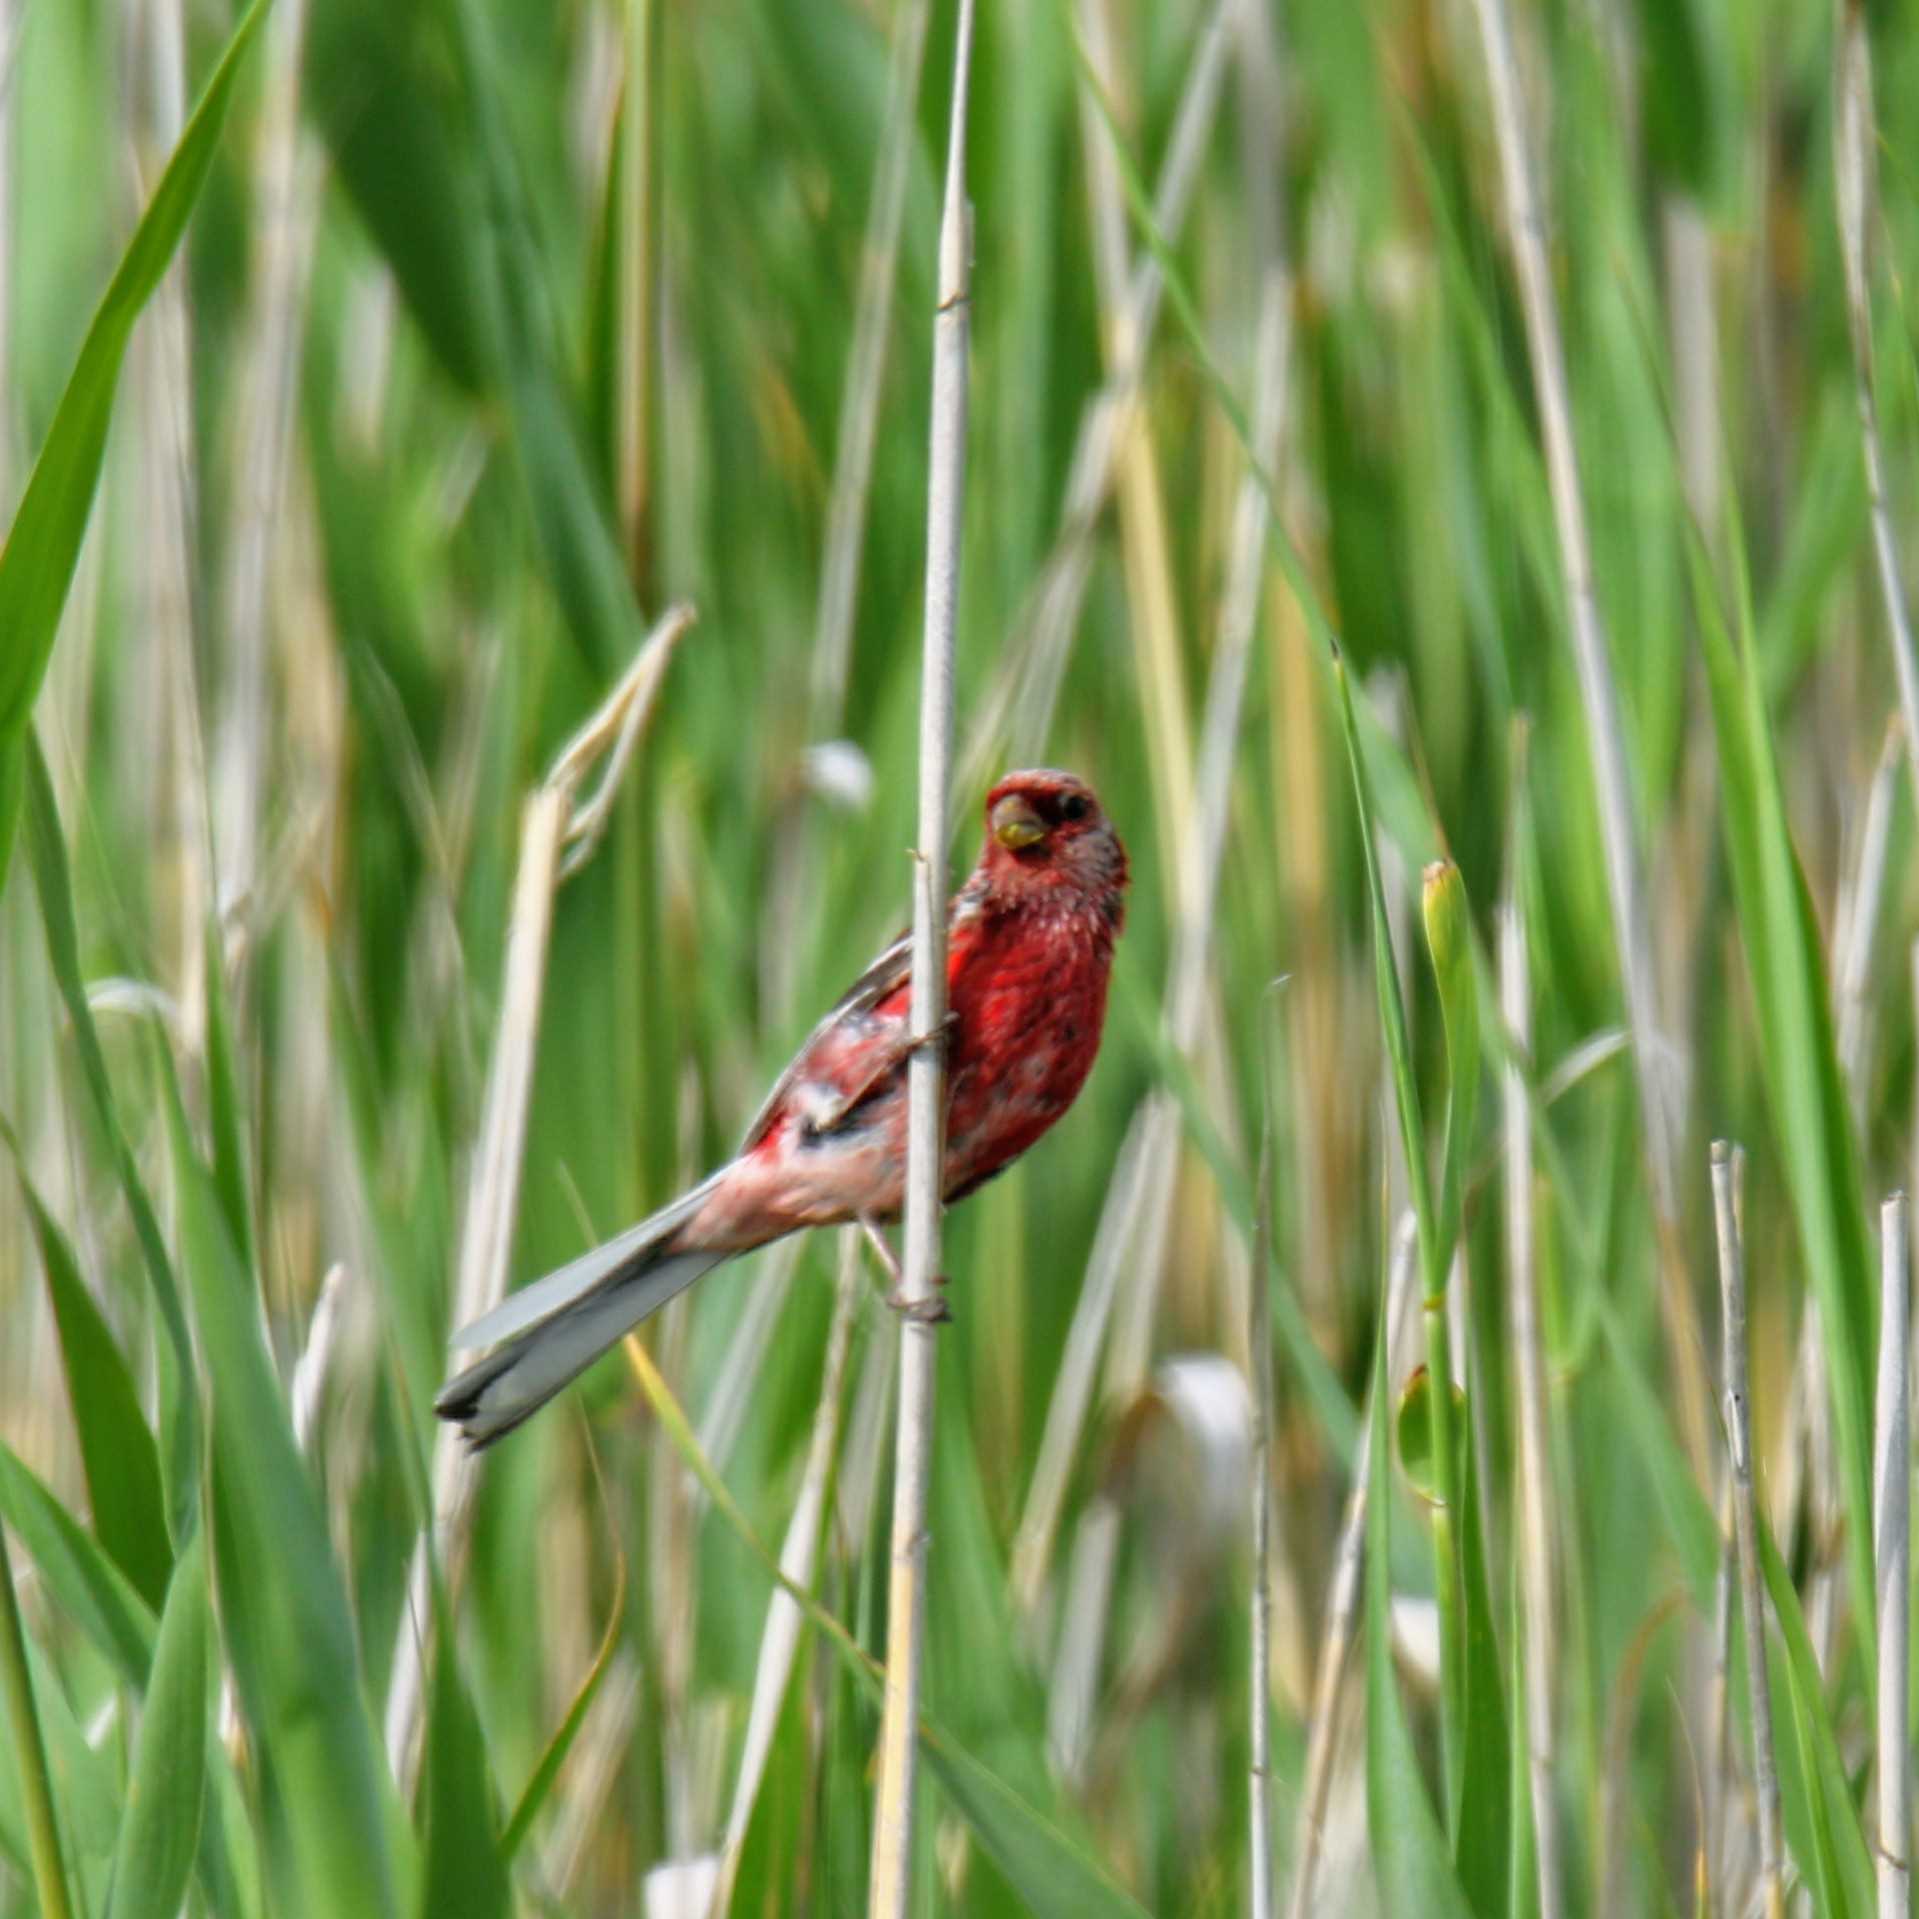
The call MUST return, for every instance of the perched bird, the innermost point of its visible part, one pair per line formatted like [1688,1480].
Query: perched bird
[1029,947]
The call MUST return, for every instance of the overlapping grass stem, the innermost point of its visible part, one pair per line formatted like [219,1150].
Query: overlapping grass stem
[1445,477]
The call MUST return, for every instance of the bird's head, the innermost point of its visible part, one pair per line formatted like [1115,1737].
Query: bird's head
[1046,833]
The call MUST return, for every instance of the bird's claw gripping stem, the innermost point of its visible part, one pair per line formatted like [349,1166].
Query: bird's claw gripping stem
[931,1311]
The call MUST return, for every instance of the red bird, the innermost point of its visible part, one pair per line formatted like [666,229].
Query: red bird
[1029,947]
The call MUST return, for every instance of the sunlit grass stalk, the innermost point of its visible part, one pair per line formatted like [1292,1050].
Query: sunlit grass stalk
[1727,1171]
[1538,1639]
[1892,1492]
[1342,1610]
[29,1752]
[1854,186]
[638,286]
[892,1858]
[551,824]
[1632,939]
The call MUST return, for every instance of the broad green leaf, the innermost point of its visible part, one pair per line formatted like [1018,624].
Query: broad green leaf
[179,1401]
[37,562]
[464,1871]
[167,1788]
[90,1589]
[117,1452]
[289,1633]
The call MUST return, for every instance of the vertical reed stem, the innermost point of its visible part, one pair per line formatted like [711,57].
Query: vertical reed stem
[926,1074]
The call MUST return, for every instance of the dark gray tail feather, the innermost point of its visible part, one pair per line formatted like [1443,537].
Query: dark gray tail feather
[513,1382]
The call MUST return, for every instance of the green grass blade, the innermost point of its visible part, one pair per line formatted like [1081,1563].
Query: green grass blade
[167,1789]
[1820,1156]
[1410,1858]
[1842,1867]
[117,1454]
[534,1794]
[226,1110]
[289,1633]
[41,551]
[29,1752]
[179,1404]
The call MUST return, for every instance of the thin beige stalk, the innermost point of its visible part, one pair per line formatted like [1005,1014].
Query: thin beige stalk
[1891,1539]
[892,1863]
[780,1638]
[1660,1122]
[1538,1642]
[1342,1605]
[548,825]
[1728,1167]
[1855,187]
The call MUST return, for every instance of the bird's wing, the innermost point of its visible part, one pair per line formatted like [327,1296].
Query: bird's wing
[886,975]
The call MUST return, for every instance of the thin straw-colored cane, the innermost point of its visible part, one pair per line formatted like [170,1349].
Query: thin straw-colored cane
[892,1867]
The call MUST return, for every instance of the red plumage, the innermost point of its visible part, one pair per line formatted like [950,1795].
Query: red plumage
[1029,950]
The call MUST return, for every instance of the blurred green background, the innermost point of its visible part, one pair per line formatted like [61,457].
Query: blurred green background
[501,325]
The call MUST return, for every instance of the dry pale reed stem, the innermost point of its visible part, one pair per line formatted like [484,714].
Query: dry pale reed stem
[865,378]
[1856,190]
[1342,1604]
[548,824]
[1891,1519]
[1535,1464]
[892,1862]
[1727,1177]
[1632,932]
[780,1639]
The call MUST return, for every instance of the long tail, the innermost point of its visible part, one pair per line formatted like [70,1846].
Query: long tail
[556,1328]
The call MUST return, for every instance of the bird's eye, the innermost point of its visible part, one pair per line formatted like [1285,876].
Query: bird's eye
[1074,807]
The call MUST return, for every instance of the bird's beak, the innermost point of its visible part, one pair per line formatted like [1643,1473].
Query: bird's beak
[1015,824]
